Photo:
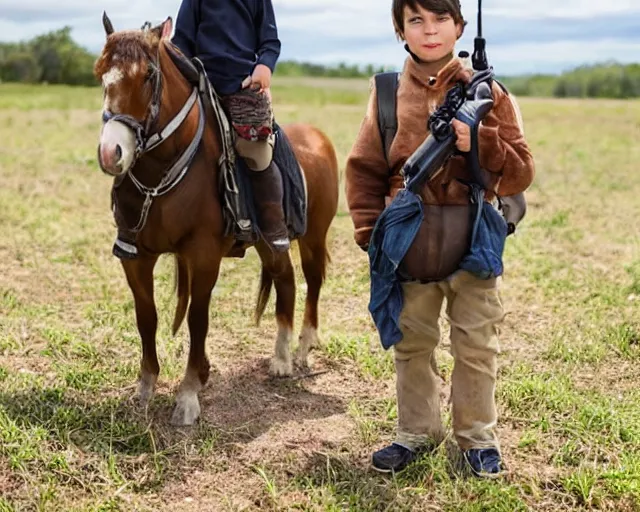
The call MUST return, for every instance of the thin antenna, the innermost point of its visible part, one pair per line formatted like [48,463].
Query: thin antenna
[479,58]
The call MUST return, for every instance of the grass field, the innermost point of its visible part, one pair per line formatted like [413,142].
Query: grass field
[72,439]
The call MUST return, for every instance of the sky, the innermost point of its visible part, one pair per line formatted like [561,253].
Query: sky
[523,36]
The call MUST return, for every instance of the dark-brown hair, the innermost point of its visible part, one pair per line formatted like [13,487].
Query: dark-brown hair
[450,7]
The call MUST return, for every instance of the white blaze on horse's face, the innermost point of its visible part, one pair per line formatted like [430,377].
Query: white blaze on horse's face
[117,148]
[123,68]
[117,140]
[110,81]
[112,77]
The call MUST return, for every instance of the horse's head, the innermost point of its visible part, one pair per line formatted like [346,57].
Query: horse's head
[128,68]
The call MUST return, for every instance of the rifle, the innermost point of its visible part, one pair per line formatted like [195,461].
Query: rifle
[469,103]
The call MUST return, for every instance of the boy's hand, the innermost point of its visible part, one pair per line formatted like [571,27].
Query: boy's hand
[260,79]
[463,135]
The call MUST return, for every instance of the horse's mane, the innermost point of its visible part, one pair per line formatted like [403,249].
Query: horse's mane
[129,46]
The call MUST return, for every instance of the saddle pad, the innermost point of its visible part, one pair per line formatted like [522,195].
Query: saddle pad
[239,214]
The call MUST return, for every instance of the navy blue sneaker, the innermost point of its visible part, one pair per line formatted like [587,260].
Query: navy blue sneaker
[393,458]
[484,462]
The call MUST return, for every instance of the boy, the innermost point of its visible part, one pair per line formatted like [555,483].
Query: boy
[430,29]
[237,41]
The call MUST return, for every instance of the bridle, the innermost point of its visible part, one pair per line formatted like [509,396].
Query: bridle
[147,141]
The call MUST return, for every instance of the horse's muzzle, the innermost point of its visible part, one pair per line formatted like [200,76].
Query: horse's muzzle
[117,149]
[110,159]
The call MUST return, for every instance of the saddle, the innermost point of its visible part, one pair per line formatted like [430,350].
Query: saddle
[239,214]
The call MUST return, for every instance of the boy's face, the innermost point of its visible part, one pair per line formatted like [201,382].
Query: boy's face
[429,35]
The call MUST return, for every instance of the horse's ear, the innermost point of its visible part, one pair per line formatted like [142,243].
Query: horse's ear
[163,31]
[106,23]
[167,28]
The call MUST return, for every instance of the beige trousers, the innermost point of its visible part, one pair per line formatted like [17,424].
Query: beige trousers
[474,309]
[257,154]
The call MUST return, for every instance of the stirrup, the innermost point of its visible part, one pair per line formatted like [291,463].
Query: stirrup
[279,245]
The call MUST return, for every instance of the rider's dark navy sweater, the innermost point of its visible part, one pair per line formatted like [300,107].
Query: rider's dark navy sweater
[230,37]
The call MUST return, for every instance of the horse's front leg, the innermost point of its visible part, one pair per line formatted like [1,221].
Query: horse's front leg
[139,274]
[204,266]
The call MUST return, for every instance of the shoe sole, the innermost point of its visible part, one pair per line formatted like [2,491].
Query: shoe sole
[484,476]
[381,470]
[488,476]
[387,471]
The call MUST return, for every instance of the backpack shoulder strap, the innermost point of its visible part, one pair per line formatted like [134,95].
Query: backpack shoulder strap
[386,88]
[514,207]
[502,86]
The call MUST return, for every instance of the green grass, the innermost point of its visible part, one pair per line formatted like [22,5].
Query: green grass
[72,439]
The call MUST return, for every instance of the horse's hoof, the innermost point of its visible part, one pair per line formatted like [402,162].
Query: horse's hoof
[280,368]
[144,394]
[187,410]
[301,359]
[146,389]
[309,337]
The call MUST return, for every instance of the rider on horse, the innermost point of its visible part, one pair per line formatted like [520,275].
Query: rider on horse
[237,41]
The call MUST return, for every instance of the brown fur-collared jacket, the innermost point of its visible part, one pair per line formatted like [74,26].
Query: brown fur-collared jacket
[505,157]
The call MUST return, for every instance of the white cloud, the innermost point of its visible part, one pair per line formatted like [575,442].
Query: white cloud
[510,8]
[555,9]
[360,31]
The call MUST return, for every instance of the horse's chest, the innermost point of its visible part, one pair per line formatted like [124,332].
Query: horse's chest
[173,221]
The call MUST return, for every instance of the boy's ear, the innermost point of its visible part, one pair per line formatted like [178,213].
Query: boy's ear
[459,29]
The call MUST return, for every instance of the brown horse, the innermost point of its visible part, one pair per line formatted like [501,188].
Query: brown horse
[144,91]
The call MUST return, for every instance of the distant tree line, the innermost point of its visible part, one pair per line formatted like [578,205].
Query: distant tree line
[342,70]
[53,58]
[56,58]
[607,80]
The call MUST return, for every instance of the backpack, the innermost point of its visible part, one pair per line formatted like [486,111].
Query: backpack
[386,89]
